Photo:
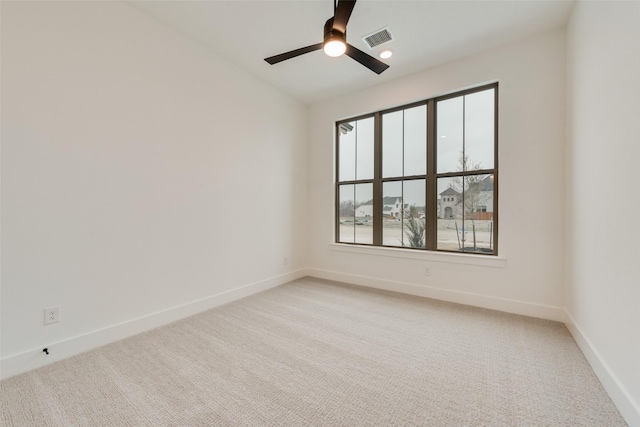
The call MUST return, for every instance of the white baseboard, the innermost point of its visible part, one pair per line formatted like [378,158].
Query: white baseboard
[467,298]
[623,400]
[35,358]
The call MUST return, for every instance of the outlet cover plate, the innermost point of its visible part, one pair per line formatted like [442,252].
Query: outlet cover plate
[51,315]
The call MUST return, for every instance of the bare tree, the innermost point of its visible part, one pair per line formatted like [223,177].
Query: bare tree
[347,208]
[473,192]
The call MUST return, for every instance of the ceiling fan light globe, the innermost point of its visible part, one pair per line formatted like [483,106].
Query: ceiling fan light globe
[335,47]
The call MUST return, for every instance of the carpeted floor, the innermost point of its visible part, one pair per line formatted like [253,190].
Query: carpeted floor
[318,353]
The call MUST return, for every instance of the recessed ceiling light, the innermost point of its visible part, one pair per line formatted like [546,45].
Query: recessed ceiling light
[385,54]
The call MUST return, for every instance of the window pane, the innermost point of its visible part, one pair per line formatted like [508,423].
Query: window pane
[392,213]
[413,222]
[415,141]
[347,214]
[364,149]
[478,213]
[449,126]
[465,213]
[364,214]
[479,130]
[392,144]
[451,235]
[347,152]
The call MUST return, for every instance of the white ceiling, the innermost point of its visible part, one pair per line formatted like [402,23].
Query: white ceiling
[426,33]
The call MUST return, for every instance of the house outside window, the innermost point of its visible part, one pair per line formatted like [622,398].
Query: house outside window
[421,176]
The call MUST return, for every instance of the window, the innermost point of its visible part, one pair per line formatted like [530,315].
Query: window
[422,176]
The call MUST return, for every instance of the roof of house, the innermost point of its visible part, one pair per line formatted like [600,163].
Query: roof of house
[449,191]
[486,184]
[388,200]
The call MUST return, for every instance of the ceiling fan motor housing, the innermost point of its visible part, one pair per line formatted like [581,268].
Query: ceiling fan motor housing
[331,33]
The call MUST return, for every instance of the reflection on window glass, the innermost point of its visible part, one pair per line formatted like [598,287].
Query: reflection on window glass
[404,142]
[415,141]
[479,130]
[363,221]
[364,148]
[466,133]
[392,213]
[465,213]
[347,152]
[392,144]
[413,214]
[478,213]
[347,214]
[403,213]
[355,150]
[450,227]
[449,127]
[356,214]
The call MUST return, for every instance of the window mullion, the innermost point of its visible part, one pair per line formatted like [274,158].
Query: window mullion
[495,173]
[377,180]
[337,187]
[431,208]
[402,188]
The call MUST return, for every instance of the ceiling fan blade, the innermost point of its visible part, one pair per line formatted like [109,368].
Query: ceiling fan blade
[343,13]
[367,60]
[288,55]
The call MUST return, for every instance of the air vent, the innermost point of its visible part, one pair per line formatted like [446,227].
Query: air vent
[377,38]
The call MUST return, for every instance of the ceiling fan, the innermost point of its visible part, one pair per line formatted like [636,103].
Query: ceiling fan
[335,40]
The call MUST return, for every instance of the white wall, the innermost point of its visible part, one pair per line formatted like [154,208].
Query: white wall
[603,199]
[531,177]
[130,155]
[140,173]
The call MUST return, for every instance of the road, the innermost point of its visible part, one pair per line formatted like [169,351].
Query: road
[447,238]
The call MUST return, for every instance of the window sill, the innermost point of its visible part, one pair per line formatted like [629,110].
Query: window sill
[467,259]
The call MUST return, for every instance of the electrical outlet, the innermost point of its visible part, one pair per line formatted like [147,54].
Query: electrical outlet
[51,315]
[286,260]
[427,271]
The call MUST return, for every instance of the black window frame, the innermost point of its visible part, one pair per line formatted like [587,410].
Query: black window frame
[431,177]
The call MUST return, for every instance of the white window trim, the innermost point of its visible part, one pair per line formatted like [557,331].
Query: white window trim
[454,258]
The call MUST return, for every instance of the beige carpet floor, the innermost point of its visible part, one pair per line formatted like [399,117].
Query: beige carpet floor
[319,353]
